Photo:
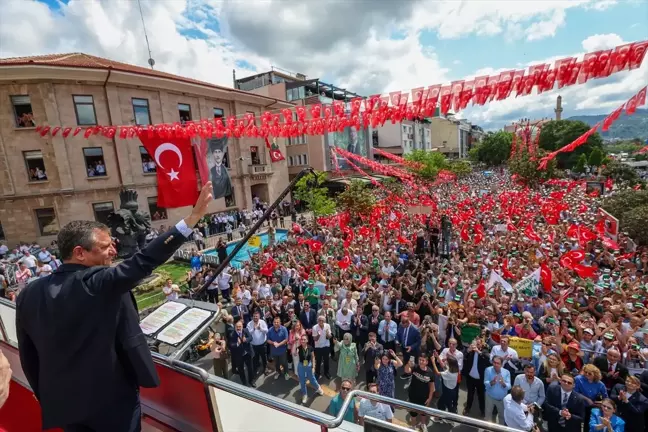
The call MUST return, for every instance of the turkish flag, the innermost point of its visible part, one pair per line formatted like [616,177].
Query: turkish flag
[275,153]
[176,172]
[545,277]
[481,289]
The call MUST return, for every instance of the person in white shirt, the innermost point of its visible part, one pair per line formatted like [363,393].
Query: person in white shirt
[343,320]
[504,351]
[452,351]
[44,256]
[264,289]
[322,336]
[43,269]
[224,280]
[517,415]
[29,260]
[259,331]
[171,290]
[377,410]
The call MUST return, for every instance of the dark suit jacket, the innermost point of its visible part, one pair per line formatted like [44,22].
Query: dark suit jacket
[221,184]
[552,407]
[483,361]
[237,347]
[245,314]
[633,412]
[81,346]
[602,363]
[312,319]
[413,337]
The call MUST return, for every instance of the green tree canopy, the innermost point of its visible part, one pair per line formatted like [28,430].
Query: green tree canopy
[621,173]
[596,157]
[527,168]
[460,167]
[580,164]
[557,134]
[311,191]
[357,199]
[631,208]
[494,149]
[432,162]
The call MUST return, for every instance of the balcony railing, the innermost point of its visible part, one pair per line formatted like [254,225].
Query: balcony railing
[259,169]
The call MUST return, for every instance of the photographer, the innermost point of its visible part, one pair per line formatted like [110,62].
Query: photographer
[516,414]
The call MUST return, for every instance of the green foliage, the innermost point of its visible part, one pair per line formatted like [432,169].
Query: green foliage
[494,149]
[394,186]
[580,164]
[621,173]
[473,153]
[527,168]
[630,146]
[631,208]
[432,163]
[357,199]
[596,157]
[627,127]
[460,167]
[557,134]
[315,196]
[640,157]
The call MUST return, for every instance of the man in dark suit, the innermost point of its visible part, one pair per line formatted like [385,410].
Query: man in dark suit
[308,319]
[219,176]
[564,408]
[240,311]
[409,338]
[612,371]
[81,346]
[241,350]
[474,366]
[631,404]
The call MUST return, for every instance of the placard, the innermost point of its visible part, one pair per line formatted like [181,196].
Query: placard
[529,285]
[254,241]
[183,326]
[161,317]
[610,223]
[524,347]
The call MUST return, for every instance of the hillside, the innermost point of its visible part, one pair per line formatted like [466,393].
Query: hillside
[626,127]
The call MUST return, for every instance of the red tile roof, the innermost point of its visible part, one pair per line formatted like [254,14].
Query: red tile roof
[82,60]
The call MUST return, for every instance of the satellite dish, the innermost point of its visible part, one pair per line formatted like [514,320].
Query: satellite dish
[151,62]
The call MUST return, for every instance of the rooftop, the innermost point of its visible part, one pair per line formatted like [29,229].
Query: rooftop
[87,61]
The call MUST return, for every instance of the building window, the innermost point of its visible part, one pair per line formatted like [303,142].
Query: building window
[184,111]
[301,139]
[23,111]
[296,93]
[2,234]
[85,110]
[230,200]
[148,164]
[94,161]
[35,165]
[47,222]
[404,129]
[219,113]
[102,211]
[157,213]
[141,111]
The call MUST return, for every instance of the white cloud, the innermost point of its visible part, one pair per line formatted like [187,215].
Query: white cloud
[347,43]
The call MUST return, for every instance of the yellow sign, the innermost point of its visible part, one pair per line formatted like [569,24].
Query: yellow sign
[524,347]
[254,241]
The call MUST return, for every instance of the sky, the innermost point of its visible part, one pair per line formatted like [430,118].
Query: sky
[365,46]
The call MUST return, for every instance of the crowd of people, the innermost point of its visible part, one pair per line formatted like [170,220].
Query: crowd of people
[24,263]
[350,301]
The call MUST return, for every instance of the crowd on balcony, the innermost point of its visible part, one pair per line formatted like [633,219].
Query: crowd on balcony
[388,304]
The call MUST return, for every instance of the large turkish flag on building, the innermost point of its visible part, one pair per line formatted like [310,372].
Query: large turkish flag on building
[176,173]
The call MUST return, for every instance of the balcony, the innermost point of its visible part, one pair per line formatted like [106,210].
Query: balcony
[260,171]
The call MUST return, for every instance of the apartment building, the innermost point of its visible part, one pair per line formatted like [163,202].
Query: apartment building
[402,138]
[47,182]
[305,150]
[452,137]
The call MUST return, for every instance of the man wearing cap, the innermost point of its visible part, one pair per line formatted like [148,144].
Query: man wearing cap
[221,183]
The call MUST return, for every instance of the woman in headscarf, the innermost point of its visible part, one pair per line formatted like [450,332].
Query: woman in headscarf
[348,361]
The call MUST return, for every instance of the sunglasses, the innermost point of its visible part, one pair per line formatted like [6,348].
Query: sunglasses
[346,388]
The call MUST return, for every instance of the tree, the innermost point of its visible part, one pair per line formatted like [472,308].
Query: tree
[393,186]
[432,162]
[621,173]
[461,168]
[311,191]
[495,148]
[357,199]
[631,208]
[526,168]
[596,157]
[580,164]
[557,134]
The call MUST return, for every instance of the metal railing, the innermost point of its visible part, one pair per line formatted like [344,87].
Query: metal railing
[259,169]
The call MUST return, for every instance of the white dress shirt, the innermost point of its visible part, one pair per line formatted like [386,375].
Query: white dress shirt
[259,334]
[456,354]
[515,416]
[497,351]
[344,321]
[323,341]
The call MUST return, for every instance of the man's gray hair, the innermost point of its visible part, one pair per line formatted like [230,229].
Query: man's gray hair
[77,233]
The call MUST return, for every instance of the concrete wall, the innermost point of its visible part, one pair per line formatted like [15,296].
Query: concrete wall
[68,189]
[444,135]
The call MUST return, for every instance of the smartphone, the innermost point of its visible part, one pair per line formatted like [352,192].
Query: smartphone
[411,361]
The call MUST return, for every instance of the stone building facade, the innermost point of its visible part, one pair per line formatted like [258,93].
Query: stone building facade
[48,181]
